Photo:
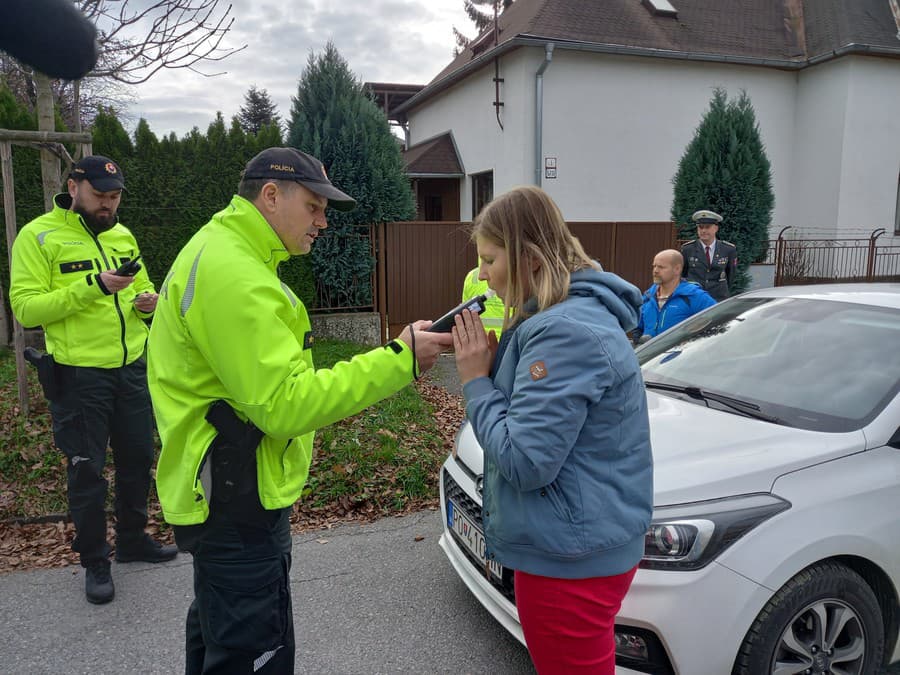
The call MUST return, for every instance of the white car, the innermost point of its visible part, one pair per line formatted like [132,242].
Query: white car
[775,540]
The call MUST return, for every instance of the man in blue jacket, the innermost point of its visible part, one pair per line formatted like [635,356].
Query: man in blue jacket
[671,299]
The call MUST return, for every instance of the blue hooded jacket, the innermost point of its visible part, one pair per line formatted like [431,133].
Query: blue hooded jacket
[686,300]
[568,472]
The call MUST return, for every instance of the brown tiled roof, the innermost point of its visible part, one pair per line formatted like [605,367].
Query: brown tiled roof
[831,24]
[781,33]
[434,157]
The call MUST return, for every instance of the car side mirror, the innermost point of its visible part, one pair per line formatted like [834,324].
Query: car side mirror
[895,439]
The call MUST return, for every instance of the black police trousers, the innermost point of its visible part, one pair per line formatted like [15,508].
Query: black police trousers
[99,408]
[240,620]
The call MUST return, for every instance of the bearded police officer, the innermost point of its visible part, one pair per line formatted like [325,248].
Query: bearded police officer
[63,278]
[238,400]
[708,261]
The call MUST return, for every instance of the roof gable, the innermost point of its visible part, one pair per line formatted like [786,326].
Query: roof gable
[780,30]
[433,157]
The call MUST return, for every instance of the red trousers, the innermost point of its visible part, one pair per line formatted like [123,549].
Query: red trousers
[568,623]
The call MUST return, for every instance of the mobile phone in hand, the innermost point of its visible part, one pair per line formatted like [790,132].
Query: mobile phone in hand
[129,268]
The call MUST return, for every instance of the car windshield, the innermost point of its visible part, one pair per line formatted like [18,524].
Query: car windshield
[812,364]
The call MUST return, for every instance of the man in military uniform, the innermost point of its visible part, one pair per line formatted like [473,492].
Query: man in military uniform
[708,261]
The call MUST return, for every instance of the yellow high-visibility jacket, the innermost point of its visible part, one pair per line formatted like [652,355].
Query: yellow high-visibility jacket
[53,283]
[492,317]
[227,328]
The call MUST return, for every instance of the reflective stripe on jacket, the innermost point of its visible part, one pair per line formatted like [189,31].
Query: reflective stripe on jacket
[227,328]
[55,260]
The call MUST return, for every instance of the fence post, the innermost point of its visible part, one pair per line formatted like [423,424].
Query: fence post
[381,295]
[779,256]
[870,261]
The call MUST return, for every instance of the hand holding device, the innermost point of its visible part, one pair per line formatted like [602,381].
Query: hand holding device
[475,305]
[129,268]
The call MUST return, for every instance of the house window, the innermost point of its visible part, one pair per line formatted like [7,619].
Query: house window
[897,210]
[482,190]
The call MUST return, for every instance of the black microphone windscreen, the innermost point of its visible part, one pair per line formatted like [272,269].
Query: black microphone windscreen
[51,36]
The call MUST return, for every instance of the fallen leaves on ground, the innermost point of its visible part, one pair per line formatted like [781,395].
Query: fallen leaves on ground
[46,544]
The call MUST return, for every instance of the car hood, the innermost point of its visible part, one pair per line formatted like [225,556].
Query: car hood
[701,453]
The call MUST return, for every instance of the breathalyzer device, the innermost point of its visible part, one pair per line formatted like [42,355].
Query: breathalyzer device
[476,305]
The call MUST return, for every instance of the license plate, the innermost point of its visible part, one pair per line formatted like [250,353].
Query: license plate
[472,538]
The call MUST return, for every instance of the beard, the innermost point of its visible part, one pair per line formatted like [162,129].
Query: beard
[96,222]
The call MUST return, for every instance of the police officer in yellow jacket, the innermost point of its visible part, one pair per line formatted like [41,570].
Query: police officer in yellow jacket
[238,399]
[62,278]
[492,317]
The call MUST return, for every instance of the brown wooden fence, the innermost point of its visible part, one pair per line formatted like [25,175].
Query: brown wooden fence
[421,265]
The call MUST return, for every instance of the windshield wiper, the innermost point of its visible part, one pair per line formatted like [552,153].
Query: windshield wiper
[744,407]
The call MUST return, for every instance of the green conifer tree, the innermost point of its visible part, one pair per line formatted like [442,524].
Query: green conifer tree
[725,169]
[333,119]
[258,111]
[110,138]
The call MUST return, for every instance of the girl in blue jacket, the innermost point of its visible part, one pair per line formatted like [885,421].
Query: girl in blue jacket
[559,408]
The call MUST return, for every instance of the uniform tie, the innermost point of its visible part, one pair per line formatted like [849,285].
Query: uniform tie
[708,261]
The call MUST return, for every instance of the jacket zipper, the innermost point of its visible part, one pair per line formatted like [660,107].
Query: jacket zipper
[115,295]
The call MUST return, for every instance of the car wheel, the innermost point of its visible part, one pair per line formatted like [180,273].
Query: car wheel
[824,620]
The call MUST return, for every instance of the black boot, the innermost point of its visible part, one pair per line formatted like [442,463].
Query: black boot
[98,583]
[144,549]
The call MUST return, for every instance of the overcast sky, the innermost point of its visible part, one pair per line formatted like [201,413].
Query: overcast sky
[405,41]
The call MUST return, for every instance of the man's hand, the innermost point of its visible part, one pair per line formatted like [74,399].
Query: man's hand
[146,302]
[114,283]
[428,345]
[475,348]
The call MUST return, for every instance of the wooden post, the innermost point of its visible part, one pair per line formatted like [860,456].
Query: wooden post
[8,137]
[381,293]
[9,209]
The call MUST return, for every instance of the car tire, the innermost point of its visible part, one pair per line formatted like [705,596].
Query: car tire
[791,632]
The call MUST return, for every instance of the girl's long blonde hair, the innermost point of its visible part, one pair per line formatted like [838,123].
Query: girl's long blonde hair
[528,225]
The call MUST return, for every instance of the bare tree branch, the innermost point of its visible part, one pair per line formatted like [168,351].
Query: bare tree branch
[136,43]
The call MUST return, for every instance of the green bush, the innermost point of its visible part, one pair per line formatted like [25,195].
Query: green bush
[725,169]
[333,119]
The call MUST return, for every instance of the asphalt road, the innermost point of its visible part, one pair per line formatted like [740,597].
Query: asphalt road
[368,599]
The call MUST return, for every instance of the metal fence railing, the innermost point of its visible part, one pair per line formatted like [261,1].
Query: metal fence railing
[813,261]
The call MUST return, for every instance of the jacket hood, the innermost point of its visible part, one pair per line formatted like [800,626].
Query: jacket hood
[621,298]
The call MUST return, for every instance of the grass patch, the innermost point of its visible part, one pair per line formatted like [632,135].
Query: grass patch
[381,461]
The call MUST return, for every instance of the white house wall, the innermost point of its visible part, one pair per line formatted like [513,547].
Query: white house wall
[871,157]
[634,118]
[820,120]
[468,111]
[618,125]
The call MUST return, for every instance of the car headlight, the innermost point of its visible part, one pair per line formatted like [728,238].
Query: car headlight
[689,536]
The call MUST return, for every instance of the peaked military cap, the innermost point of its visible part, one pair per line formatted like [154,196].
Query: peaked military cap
[704,217]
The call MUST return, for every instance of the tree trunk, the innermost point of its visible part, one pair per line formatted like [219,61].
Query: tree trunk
[46,122]
[4,321]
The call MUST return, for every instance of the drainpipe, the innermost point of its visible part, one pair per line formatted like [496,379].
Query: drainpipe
[539,113]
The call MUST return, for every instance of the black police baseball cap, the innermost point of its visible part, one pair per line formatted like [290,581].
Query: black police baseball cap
[291,164]
[101,172]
